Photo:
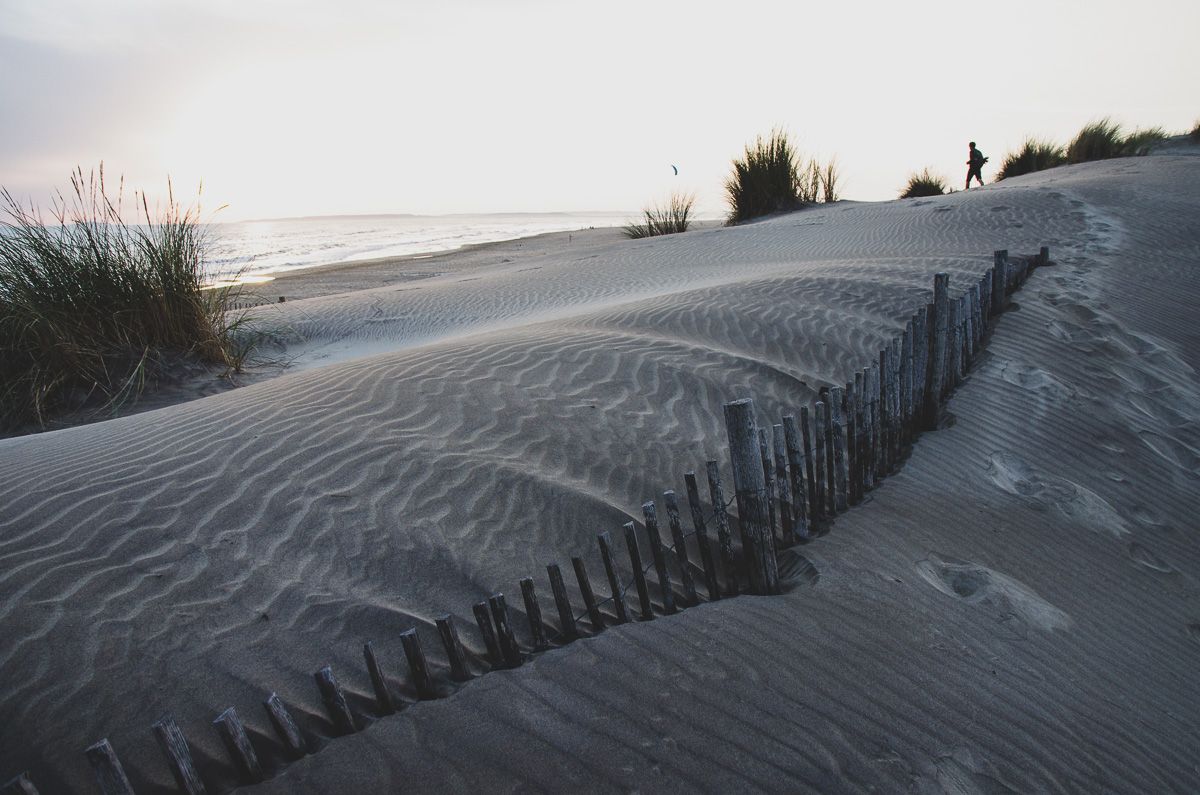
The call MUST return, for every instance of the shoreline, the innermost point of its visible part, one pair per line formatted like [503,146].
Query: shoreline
[316,281]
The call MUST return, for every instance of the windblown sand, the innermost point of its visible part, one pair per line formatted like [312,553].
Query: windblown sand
[1017,610]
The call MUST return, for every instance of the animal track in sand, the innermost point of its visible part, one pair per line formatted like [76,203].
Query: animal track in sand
[1172,451]
[1012,603]
[1043,491]
[1147,559]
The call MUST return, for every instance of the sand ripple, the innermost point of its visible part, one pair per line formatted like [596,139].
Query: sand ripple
[202,555]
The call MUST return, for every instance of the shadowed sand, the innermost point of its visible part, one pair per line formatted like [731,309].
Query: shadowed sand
[1016,611]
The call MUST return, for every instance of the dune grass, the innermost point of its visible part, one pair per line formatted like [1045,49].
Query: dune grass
[765,180]
[1034,155]
[830,181]
[923,183]
[772,177]
[1195,133]
[1140,142]
[1103,139]
[1098,140]
[94,308]
[666,219]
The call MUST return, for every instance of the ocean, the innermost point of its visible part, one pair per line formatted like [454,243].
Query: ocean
[259,248]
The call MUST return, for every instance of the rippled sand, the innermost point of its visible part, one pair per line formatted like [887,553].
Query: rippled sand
[1017,610]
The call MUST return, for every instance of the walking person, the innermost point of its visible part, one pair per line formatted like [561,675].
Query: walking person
[975,165]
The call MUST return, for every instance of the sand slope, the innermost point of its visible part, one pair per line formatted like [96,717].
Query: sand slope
[1017,609]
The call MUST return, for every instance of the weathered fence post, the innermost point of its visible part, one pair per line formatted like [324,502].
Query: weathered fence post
[681,553]
[110,775]
[383,696]
[459,671]
[650,513]
[920,350]
[716,495]
[566,615]
[712,582]
[783,488]
[823,502]
[831,468]
[750,489]
[285,726]
[814,509]
[965,334]
[837,427]
[897,421]
[418,667]
[906,384]
[604,541]
[509,648]
[233,734]
[985,303]
[175,748]
[533,611]
[976,321]
[941,344]
[768,465]
[483,620]
[589,596]
[335,701]
[886,420]
[999,281]
[960,329]
[796,460]
[639,573]
[871,463]
[856,436]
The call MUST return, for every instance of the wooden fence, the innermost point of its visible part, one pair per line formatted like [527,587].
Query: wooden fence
[790,479]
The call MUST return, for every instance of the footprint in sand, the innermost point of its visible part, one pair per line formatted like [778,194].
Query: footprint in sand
[1014,605]
[1044,491]
[1035,379]
[966,772]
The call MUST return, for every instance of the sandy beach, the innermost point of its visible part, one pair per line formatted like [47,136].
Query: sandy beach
[1017,610]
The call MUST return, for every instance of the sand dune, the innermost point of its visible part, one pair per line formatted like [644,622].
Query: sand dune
[1015,611]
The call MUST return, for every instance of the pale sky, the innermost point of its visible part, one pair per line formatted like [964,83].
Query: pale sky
[306,108]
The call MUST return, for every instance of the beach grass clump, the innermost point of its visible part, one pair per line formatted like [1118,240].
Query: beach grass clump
[772,177]
[1103,139]
[765,180]
[94,308]
[1098,140]
[923,183]
[1195,133]
[664,219]
[1140,142]
[1034,155]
